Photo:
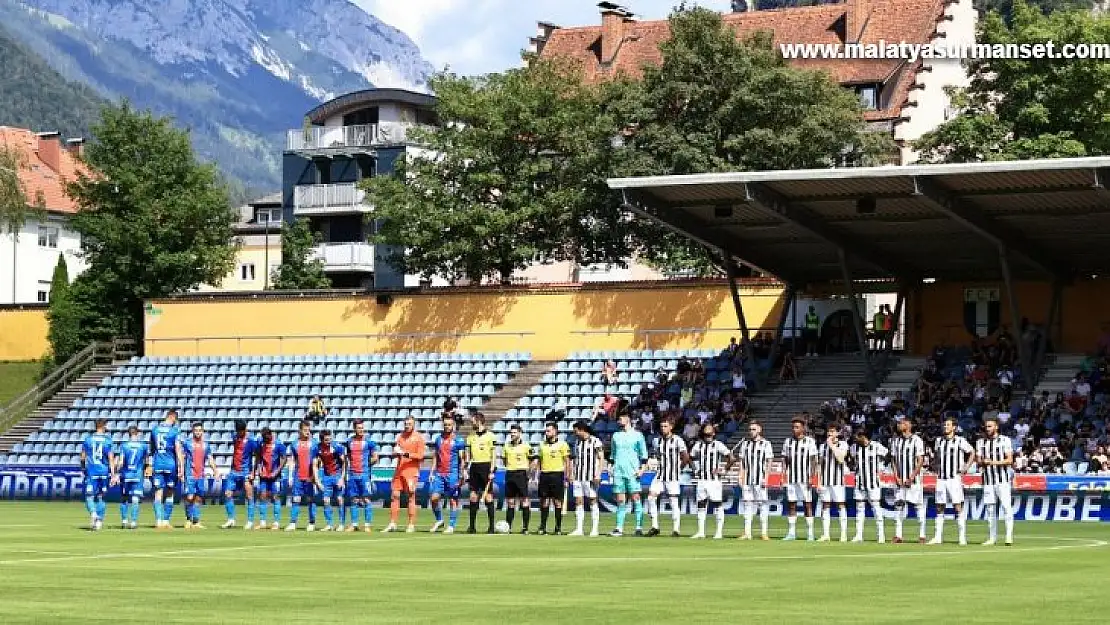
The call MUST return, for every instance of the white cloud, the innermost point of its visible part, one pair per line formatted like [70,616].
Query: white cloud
[478,36]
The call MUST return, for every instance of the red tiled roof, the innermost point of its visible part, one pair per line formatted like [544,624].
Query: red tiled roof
[39,177]
[891,21]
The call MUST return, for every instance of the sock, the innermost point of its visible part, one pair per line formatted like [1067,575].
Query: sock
[653,512]
[809,526]
[329,514]
[135,509]
[595,516]
[276,510]
[720,519]
[880,521]
[101,508]
[294,512]
[510,514]
[343,514]
[169,509]
[939,532]
[250,510]
[749,512]
[791,523]
[764,517]
[622,511]
[90,505]
[490,513]
[159,510]
[196,512]
[544,512]
[526,514]
[701,520]
[922,520]
[453,516]
[638,512]
[826,520]
[579,518]
[473,513]
[992,523]
[843,523]
[676,515]
[899,514]
[368,512]
[123,510]
[437,511]
[1008,520]
[229,508]
[312,513]
[861,515]
[961,524]
[413,509]
[558,519]
[263,508]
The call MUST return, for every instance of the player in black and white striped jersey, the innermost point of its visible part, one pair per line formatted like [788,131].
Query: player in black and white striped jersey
[800,455]
[907,454]
[994,454]
[833,458]
[710,458]
[953,458]
[587,462]
[867,459]
[669,452]
[754,454]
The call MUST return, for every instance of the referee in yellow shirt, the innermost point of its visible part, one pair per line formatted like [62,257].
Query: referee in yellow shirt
[517,455]
[553,476]
[479,468]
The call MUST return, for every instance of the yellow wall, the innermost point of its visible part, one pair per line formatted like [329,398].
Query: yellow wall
[23,334]
[549,323]
[256,255]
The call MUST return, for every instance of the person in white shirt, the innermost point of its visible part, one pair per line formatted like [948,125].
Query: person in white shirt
[738,381]
[1081,387]
[882,402]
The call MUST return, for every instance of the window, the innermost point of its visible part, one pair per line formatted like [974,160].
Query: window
[48,236]
[43,295]
[267,216]
[868,96]
[246,272]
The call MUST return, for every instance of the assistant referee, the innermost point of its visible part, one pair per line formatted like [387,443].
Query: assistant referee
[479,458]
[553,476]
[518,456]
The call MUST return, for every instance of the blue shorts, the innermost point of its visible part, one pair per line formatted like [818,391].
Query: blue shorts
[132,488]
[270,485]
[359,486]
[331,487]
[234,482]
[626,485]
[164,479]
[444,486]
[196,486]
[96,485]
[303,488]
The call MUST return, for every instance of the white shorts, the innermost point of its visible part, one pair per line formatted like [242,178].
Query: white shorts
[658,487]
[799,492]
[754,494]
[913,495]
[831,494]
[874,495]
[998,494]
[584,490]
[711,490]
[950,491]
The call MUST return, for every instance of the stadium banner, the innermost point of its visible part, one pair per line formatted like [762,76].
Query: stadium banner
[1036,497]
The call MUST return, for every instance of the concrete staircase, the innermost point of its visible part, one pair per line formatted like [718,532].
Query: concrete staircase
[903,375]
[819,380]
[60,401]
[520,385]
[1059,372]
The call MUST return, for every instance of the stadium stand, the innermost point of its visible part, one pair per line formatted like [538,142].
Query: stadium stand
[273,391]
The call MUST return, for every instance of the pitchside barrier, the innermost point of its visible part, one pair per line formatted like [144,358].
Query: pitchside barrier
[1036,497]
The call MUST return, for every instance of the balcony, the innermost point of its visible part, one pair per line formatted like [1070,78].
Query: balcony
[329,199]
[346,257]
[346,139]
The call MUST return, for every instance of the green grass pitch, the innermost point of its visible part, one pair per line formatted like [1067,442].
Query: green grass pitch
[52,570]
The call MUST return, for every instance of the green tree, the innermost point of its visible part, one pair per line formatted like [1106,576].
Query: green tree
[64,334]
[153,221]
[16,209]
[719,103]
[1029,108]
[299,269]
[514,174]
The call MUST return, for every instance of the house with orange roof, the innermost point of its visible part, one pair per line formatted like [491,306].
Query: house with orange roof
[28,257]
[901,96]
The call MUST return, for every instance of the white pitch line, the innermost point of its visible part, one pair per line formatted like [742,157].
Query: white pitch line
[18,525]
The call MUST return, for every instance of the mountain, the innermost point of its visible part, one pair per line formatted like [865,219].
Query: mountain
[236,73]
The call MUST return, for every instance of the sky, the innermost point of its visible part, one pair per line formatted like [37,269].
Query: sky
[481,36]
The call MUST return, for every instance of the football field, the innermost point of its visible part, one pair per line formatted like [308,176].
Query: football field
[52,570]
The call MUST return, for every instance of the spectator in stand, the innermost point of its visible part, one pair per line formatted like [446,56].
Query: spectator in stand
[739,382]
[317,411]
[878,328]
[789,370]
[690,431]
[812,332]
[1099,462]
[888,327]
[606,408]
[732,352]
[558,409]
[609,373]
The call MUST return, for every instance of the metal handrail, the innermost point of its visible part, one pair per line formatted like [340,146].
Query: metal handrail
[18,408]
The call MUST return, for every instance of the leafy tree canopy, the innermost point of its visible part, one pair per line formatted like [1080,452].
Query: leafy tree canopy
[299,269]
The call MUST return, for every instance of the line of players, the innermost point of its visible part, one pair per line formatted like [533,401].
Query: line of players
[308,469]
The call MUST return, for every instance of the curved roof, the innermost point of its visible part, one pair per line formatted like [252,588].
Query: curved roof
[367,97]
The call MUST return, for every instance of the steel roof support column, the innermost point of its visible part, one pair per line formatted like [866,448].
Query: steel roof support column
[857,322]
[896,324]
[1041,348]
[787,304]
[1027,373]
[731,270]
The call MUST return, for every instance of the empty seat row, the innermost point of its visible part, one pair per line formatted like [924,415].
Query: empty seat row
[334,358]
[292,391]
[324,370]
[428,401]
[209,379]
[644,354]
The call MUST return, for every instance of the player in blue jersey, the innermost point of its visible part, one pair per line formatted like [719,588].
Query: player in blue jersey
[362,455]
[629,454]
[330,469]
[132,462]
[302,483]
[167,468]
[243,448]
[269,461]
[99,465]
[445,477]
[198,458]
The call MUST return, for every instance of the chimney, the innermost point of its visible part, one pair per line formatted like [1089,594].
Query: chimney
[76,147]
[50,150]
[613,18]
[543,34]
[856,16]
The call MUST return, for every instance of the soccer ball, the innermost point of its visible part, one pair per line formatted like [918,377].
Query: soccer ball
[502,527]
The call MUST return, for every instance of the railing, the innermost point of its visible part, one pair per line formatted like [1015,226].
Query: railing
[346,256]
[19,408]
[341,343]
[322,199]
[336,137]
